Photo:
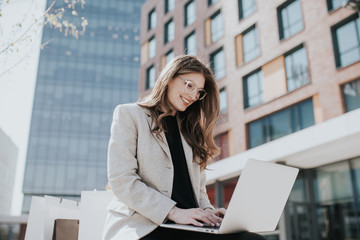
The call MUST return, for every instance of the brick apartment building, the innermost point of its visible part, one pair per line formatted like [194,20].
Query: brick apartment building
[289,80]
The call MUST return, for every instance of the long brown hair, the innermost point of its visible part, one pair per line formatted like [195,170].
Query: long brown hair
[198,121]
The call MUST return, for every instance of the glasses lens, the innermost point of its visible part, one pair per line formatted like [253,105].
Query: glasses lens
[189,87]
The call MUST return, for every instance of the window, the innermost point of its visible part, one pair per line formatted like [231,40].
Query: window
[351,93]
[246,8]
[190,13]
[222,141]
[253,89]
[217,30]
[336,199]
[289,19]
[223,101]
[251,46]
[152,47]
[217,62]
[281,123]
[190,44]
[211,2]
[150,77]
[169,31]
[169,5]
[169,56]
[296,66]
[334,4]
[346,38]
[152,19]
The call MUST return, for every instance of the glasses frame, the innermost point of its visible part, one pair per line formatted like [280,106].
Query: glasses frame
[196,89]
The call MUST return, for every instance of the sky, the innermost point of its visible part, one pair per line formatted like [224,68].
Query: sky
[17,85]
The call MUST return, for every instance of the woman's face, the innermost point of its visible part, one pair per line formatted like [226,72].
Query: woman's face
[178,97]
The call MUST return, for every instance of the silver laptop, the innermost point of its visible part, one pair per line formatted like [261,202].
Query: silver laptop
[258,200]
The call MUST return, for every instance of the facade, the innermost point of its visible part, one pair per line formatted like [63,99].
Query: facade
[289,81]
[79,84]
[8,162]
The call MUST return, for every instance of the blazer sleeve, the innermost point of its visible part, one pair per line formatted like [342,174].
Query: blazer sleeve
[204,199]
[123,171]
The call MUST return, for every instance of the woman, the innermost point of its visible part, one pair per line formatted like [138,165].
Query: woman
[158,152]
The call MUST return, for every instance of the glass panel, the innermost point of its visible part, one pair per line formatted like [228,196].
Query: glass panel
[251,45]
[291,19]
[219,64]
[306,114]
[152,48]
[191,45]
[254,89]
[280,124]
[333,183]
[217,30]
[335,4]
[356,169]
[256,133]
[210,190]
[223,101]
[169,56]
[348,43]
[190,13]
[152,19]
[170,31]
[296,66]
[150,77]
[169,5]
[248,7]
[229,188]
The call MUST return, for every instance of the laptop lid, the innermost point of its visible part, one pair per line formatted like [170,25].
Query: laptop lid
[259,197]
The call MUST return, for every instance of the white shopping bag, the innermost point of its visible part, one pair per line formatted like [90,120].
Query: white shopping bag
[35,224]
[58,208]
[44,211]
[93,213]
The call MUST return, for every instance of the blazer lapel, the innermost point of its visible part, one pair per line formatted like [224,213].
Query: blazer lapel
[163,144]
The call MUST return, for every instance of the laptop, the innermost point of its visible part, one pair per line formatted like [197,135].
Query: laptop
[257,202]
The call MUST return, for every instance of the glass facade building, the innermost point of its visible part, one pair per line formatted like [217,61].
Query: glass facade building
[79,83]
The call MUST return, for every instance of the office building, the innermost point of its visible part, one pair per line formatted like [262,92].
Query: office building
[289,81]
[79,83]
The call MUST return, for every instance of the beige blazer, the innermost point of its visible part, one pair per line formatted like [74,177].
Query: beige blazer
[140,173]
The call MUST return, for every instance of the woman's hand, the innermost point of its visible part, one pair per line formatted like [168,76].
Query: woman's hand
[196,216]
[220,212]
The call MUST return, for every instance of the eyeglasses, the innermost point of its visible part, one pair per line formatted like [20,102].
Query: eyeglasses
[191,87]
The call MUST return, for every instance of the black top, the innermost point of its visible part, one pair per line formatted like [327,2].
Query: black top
[182,192]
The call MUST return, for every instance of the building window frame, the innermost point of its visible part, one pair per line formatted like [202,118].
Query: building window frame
[193,50]
[259,77]
[152,47]
[217,26]
[257,50]
[218,70]
[169,32]
[337,54]
[296,121]
[334,4]
[351,95]
[246,12]
[169,56]
[152,19]
[291,74]
[286,32]
[190,13]
[169,5]
[150,77]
